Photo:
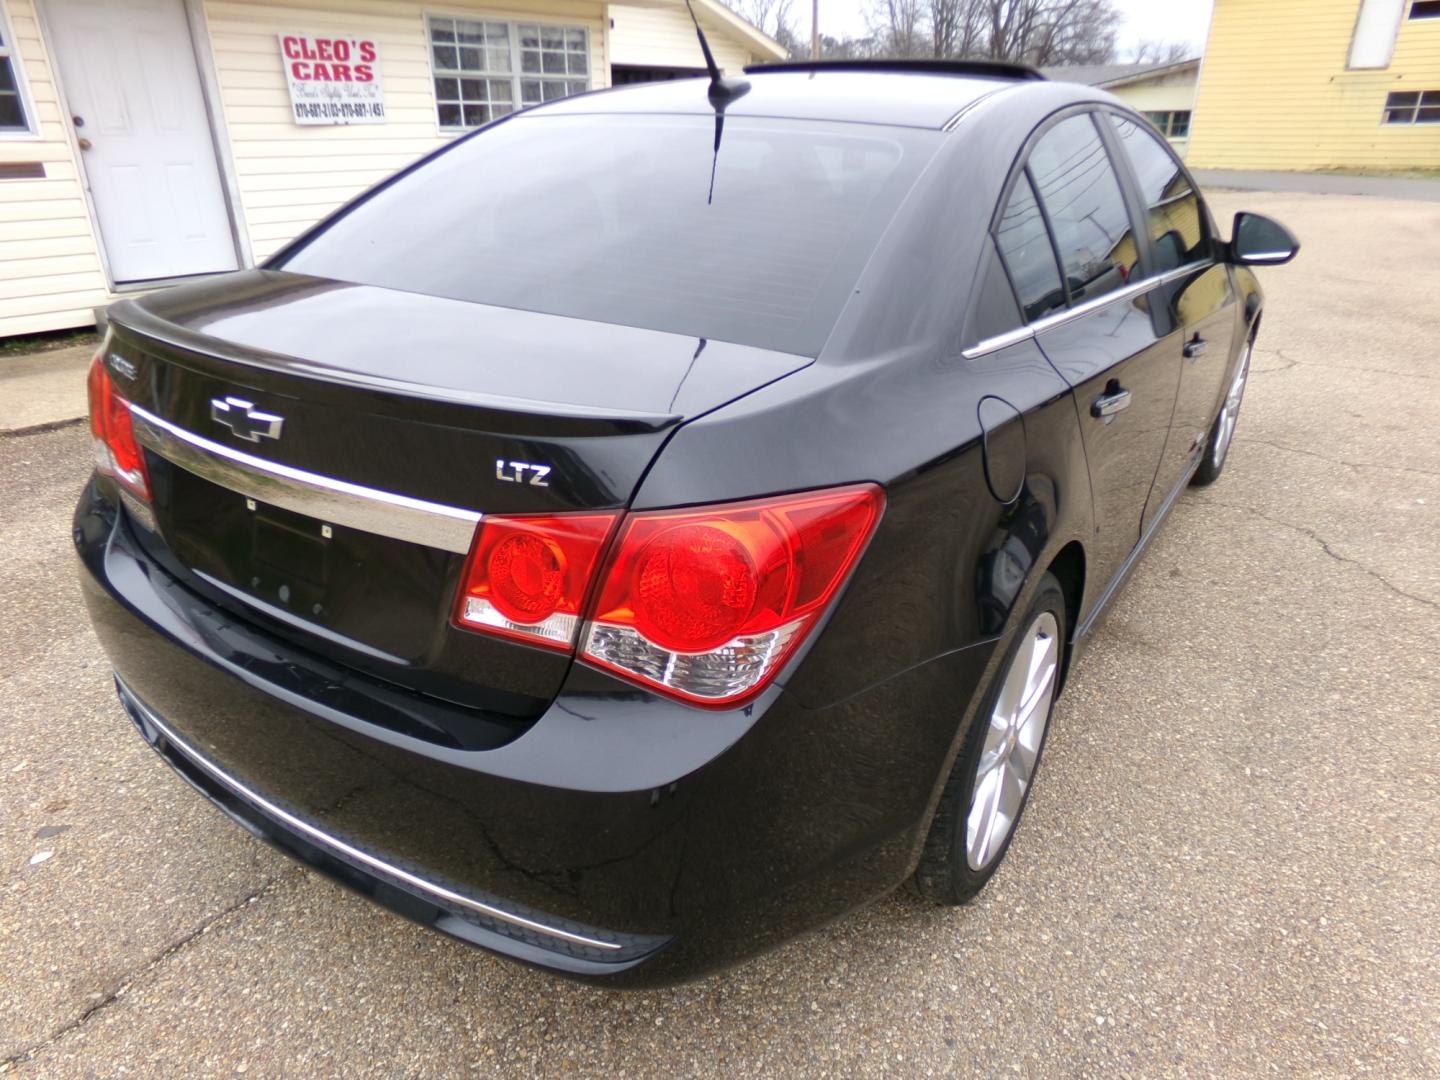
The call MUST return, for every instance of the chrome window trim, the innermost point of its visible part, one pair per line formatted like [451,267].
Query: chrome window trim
[999,341]
[1185,271]
[334,845]
[1079,311]
[325,498]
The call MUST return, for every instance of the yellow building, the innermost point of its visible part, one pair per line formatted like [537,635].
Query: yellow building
[1319,84]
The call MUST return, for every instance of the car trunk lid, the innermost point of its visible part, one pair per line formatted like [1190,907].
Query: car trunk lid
[321,453]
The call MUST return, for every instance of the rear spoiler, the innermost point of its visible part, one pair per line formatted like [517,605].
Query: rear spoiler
[992,69]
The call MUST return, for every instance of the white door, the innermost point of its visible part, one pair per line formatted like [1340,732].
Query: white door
[131,82]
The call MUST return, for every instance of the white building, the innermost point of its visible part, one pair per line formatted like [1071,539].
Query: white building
[143,141]
[1163,92]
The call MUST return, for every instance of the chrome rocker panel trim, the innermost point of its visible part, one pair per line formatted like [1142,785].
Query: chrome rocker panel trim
[336,502]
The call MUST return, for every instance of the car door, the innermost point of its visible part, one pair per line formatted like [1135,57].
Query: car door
[1089,306]
[1199,298]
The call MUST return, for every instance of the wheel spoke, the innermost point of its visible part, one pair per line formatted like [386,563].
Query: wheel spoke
[1042,651]
[980,824]
[1012,692]
[1012,792]
[994,750]
[1027,739]
[1035,712]
[1041,668]
[1035,697]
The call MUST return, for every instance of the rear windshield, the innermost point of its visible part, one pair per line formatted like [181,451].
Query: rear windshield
[611,218]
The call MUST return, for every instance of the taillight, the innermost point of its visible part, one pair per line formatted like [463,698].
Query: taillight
[707,604]
[526,577]
[117,453]
[704,604]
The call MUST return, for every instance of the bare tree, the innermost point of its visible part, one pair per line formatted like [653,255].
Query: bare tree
[772,17]
[1038,32]
[1149,51]
[1048,32]
[848,48]
[955,27]
[1076,32]
[899,28]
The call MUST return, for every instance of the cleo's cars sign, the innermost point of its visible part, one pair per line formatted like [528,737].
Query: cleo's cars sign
[333,80]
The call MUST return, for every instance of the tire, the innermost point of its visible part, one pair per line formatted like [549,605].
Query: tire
[1222,432]
[993,757]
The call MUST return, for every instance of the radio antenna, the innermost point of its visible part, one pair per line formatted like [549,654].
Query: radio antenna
[723,88]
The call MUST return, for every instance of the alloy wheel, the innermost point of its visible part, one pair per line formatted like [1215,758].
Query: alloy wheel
[1012,742]
[1230,411]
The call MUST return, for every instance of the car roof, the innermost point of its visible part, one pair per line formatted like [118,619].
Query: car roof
[927,94]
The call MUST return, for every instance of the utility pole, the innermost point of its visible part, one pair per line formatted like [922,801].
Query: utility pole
[814,29]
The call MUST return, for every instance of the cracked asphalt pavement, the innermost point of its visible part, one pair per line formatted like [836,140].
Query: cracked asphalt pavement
[1229,865]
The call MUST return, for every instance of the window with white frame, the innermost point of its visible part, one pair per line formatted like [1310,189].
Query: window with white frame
[12,102]
[485,69]
[1412,107]
[1174,124]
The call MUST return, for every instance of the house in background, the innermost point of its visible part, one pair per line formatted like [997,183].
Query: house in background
[1320,84]
[649,43]
[1163,92]
[146,141]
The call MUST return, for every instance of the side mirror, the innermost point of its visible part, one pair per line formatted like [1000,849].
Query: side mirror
[1260,241]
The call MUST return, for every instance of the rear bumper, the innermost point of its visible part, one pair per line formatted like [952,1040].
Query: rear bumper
[486,921]
[620,839]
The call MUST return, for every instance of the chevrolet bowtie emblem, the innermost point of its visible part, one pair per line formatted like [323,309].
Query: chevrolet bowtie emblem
[244,420]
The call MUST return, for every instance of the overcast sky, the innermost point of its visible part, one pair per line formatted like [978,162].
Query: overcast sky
[1162,20]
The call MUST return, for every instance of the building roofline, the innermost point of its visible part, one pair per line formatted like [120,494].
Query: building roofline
[759,41]
[756,36]
[1151,72]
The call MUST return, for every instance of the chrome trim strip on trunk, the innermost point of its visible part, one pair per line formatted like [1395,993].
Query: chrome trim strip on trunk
[336,502]
[338,847]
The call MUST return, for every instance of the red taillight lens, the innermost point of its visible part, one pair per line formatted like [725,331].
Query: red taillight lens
[97,386]
[117,453]
[526,577]
[707,604]
[694,587]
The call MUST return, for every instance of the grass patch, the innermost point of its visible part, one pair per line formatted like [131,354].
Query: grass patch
[1391,174]
[28,344]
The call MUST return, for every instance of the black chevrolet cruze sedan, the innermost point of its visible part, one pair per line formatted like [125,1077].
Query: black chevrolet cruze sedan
[662,520]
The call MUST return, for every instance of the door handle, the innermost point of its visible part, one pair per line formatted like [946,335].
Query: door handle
[1109,403]
[83,143]
[1196,348]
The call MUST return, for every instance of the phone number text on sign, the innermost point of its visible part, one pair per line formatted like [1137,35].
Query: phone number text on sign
[333,80]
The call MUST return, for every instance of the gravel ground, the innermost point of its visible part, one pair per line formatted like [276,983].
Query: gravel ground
[1229,865]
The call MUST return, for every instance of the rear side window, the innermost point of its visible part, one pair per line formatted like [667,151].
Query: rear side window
[620,219]
[1081,195]
[1177,225]
[1025,246]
